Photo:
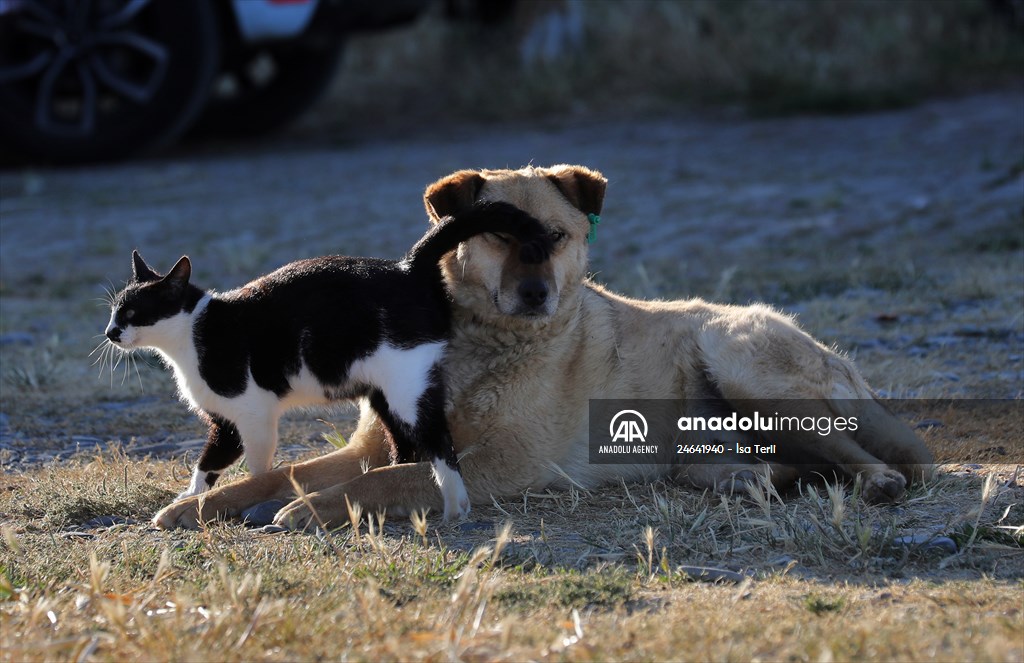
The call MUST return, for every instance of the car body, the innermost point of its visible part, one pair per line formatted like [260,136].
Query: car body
[92,80]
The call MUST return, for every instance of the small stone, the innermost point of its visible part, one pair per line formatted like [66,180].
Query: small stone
[929,542]
[273,529]
[16,338]
[784,560]
[86,441]
[76,534]
[262,514]
[478,525]
[102,522]
[919,203]
[153,449]
[710,574]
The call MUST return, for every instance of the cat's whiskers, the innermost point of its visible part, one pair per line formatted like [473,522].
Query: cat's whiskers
[105,352]
[99,345]
[135,364]
[104,349]
[129,365]
[116,364]
[108,298]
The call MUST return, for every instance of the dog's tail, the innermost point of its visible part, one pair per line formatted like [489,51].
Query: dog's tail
[483,217]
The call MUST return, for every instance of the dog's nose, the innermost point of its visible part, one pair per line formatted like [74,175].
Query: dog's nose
[114,334]
[533,292]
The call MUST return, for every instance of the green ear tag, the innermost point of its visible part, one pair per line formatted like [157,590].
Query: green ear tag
[594,220]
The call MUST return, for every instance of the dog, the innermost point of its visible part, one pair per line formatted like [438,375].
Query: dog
[532,344]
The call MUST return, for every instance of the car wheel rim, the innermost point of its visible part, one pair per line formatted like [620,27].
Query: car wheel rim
[73,61]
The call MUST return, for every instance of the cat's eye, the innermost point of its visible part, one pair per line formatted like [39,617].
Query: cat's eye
[129,313]
[557,236]
[501,238]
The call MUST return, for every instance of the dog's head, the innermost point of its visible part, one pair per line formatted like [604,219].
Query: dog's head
[485,275]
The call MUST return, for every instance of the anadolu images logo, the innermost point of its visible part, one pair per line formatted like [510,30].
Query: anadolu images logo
[631,428]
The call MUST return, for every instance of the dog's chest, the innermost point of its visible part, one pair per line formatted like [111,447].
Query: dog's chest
[482,379]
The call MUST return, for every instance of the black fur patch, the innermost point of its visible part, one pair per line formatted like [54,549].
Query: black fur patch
[223,447]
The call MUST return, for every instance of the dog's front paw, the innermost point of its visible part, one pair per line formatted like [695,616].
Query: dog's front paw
[884,487]
[316,509]
[296,516]
[183,512]
[736,483]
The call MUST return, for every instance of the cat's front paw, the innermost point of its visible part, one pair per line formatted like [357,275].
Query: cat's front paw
[456,503]
[187,493]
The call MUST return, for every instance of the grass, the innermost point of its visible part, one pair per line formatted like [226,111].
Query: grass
[769,57]
[571,576]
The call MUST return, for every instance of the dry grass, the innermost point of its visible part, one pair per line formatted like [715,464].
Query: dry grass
[568,576]
[769,56]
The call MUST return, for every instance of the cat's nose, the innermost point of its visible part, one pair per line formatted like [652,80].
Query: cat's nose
[114,334]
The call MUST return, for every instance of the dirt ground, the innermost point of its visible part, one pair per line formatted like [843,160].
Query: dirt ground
[897,236]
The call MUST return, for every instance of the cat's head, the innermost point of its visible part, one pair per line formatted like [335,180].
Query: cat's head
[148,299]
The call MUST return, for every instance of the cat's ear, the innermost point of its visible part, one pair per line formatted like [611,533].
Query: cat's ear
[141,271]
[180,273]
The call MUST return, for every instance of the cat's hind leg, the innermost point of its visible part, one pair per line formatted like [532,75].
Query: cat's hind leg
[434,443]
[223,447]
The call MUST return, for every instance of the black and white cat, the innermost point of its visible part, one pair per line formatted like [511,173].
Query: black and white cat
[312,332]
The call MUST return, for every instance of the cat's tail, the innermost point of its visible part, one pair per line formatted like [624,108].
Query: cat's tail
[535,244]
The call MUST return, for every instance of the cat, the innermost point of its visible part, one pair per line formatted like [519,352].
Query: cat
[313,332]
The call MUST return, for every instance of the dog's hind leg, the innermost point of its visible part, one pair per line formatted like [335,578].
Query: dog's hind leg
[758,358]
[729,478]
[886,436]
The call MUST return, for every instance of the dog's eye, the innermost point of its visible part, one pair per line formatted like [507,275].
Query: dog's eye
[557,236]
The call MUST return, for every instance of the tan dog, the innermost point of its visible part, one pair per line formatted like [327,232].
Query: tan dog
[533,344]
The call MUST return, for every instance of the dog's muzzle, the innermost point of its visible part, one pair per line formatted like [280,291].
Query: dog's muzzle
[533,293]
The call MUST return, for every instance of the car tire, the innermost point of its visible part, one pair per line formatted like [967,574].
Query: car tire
[268,88]
[97,80]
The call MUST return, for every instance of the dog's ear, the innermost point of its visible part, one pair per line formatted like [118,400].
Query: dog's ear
[452,194]
[583,187]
